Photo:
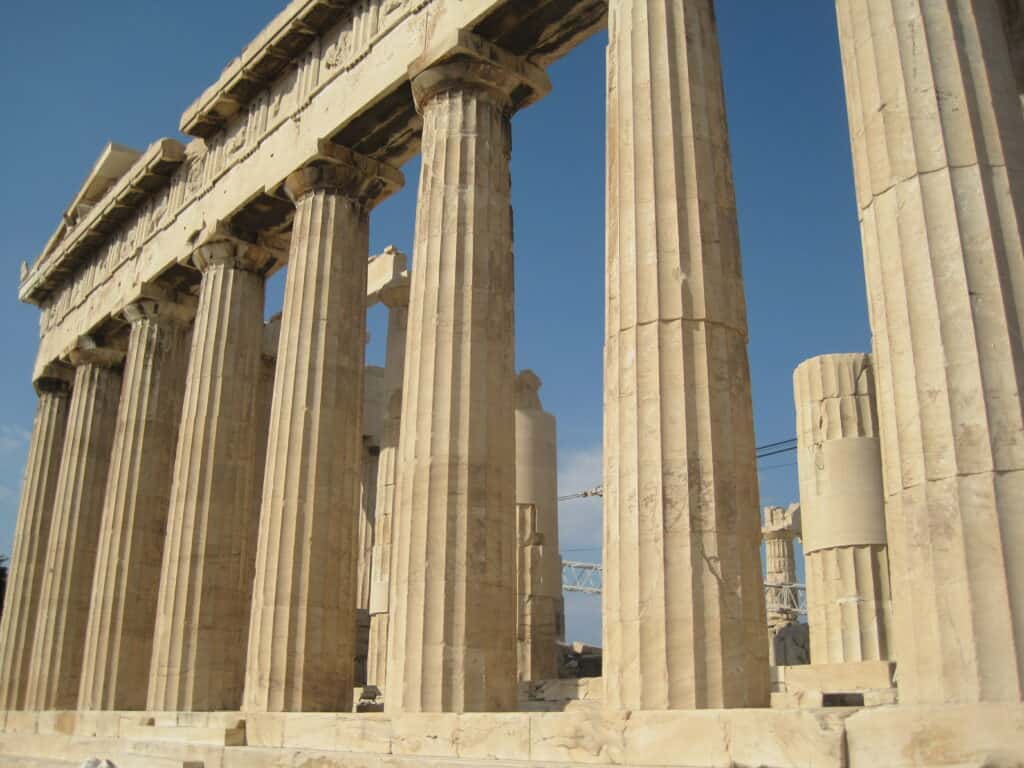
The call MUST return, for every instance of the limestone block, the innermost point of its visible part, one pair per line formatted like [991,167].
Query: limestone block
[846,676]
[425,734]
[586,737]
[965,736]
[679,470]
[488,736]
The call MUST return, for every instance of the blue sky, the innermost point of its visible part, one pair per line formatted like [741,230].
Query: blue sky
[77,75]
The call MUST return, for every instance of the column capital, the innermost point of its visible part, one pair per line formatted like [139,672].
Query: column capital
[155,310]
[781,523]
[219,246]
[55,378]
[469,61]
[342,171]
[87,351]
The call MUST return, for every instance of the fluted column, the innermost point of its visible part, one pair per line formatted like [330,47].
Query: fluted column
[202,618]
[684,615]
[451,644]
[936,129]
[301,638]
[397,301]
[537,486]
[119,639]
[63,611]
[31,535]
[843,509]
[780,527]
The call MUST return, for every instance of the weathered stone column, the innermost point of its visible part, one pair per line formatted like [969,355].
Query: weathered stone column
[451,646]
[936,127]
[537,485]
[843,510]
[63,611]
[119,639]
[780,527]
[535,623]
[301,638]
[397,300]
[35,512]
[684,615]
[205,588]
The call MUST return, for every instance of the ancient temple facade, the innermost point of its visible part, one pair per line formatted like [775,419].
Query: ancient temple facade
[210,509]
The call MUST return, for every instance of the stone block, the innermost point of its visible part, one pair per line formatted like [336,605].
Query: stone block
[425,735]
[590,737]
[101,725]
[488,736]
[965,736]
[264,729]
[734,737]
[23,722]
[56,723]
[854,676]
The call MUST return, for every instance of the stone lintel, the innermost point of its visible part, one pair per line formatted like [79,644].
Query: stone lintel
[88,351]
[161,310]
[260,63]
[150,173]
[463,58]
[346,172]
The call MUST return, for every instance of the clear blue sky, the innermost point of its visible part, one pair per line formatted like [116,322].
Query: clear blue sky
[76,75]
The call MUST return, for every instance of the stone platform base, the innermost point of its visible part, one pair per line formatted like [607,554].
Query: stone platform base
[812,686]
[983,736]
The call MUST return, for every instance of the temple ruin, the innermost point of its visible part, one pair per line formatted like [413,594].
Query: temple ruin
[190,462]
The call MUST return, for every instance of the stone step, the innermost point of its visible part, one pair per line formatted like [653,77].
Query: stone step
[135,760]
[215,737]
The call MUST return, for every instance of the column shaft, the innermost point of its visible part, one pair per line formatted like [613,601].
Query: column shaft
[119,639]
[451,644]
[843,509]
[35,512]
[937,129]
[74,533]
[202,619]
[537,487]
[684,615]
[387,472]
[301,645]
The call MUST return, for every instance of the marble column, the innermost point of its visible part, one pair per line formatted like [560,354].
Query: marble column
[781,526]
[537,485]
[119,638]
[535,622]
[843,509]
[25,576]
[202,620]
[451,645]
[936,129]
[63,611]
[301,639]
[397,301]
[684,614]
